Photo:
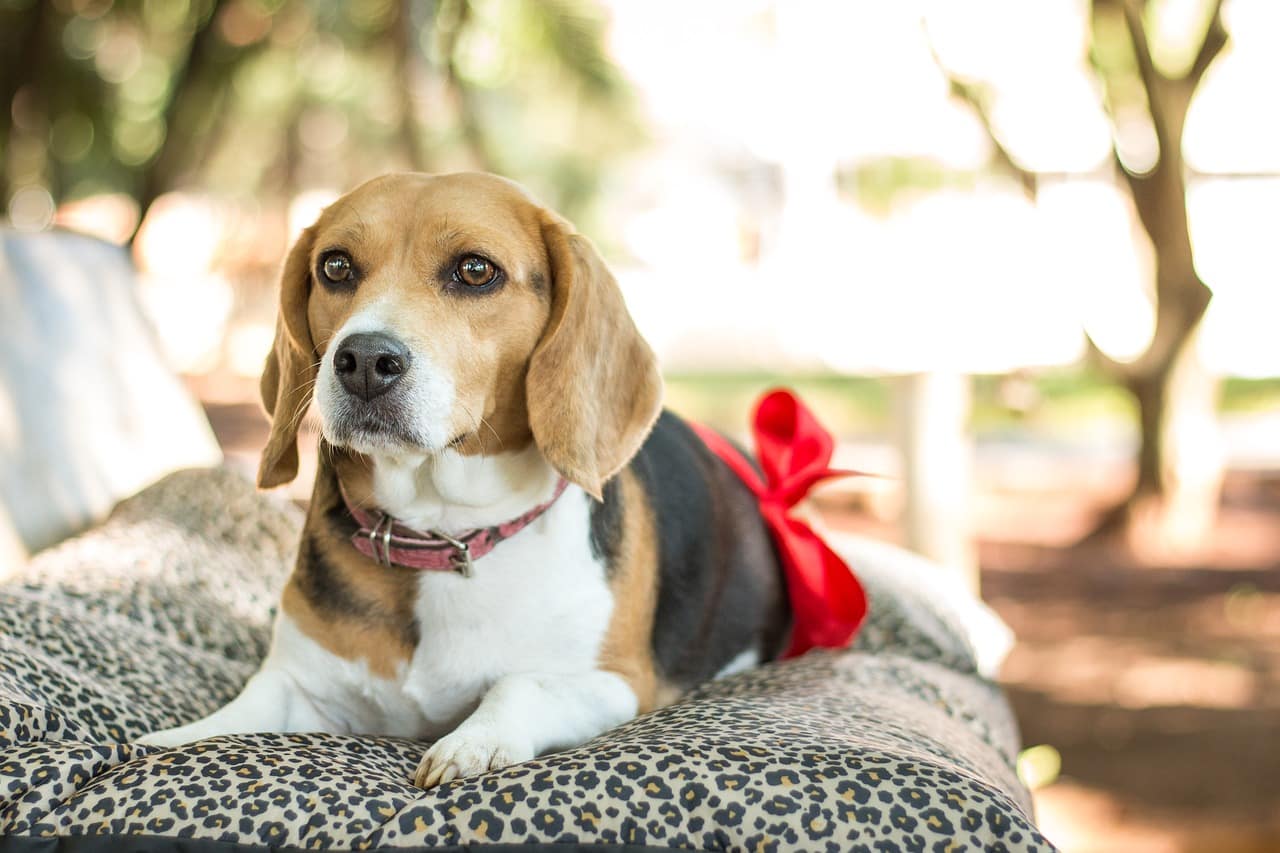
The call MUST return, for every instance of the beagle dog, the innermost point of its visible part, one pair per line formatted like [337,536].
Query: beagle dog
[510,547]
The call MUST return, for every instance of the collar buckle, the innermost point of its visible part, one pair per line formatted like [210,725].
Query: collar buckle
[460,559]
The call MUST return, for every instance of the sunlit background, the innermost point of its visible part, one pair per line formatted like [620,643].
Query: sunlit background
[1022,256]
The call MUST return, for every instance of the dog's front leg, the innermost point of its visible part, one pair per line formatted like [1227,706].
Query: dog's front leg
[270,702]
[525,715]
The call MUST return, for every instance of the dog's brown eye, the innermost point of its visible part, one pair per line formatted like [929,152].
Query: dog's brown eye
[476,271]
[337,267]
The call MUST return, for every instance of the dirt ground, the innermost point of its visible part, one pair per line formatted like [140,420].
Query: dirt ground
[1157,685]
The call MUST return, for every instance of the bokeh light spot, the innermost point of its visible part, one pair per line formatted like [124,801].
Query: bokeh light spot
[31,209]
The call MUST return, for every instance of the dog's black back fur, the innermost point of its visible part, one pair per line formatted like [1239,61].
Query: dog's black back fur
[720,586]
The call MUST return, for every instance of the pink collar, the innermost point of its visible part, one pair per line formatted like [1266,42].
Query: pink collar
[387,541]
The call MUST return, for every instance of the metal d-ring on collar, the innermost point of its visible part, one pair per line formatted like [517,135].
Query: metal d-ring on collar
[461,557]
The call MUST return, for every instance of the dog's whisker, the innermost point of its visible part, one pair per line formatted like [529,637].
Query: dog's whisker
[476,424]
[472,416]
[489,426]
[296,419]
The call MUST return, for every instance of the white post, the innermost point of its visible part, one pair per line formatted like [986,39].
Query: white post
[932,414]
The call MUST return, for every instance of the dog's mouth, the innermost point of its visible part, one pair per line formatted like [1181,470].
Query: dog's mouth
[373,427]
[376,430]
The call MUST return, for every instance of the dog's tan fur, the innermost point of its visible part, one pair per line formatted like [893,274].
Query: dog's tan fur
[378,629]
[628,646]
[382,642]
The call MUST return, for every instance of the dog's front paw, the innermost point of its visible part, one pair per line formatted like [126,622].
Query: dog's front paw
[470,750]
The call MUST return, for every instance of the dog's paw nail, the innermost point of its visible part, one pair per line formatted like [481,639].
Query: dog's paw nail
[468,753]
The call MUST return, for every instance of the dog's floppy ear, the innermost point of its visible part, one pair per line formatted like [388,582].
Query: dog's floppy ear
[288,375]
[593,385]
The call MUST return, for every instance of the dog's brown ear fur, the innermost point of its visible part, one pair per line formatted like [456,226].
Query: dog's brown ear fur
[290,371]
[593,385]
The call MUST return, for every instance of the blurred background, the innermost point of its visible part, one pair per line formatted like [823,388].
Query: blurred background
[1022,257]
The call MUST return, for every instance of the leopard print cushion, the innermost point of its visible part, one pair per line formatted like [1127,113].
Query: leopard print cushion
[158,616]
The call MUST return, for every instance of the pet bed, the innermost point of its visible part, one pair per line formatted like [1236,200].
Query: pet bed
[159,615]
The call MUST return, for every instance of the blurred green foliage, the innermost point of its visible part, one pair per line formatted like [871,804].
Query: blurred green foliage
[1045,403]
[264,98]
[882,183]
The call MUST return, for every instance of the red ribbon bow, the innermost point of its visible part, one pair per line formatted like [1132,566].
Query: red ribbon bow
[794,450]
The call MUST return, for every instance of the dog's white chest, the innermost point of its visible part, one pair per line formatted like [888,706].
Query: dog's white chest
[541,606]
[538,603]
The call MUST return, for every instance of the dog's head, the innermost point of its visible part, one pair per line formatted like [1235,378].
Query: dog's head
[428,313]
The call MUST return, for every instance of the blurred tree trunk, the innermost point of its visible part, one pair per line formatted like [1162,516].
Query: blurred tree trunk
[403,33]
[453,19]
[1174,500]
[194,111]
[158,174]
[20,65]
[1175,495]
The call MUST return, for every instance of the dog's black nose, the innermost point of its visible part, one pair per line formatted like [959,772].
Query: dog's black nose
[368,364]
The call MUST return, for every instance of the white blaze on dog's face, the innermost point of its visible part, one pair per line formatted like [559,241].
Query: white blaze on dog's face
[432,312]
